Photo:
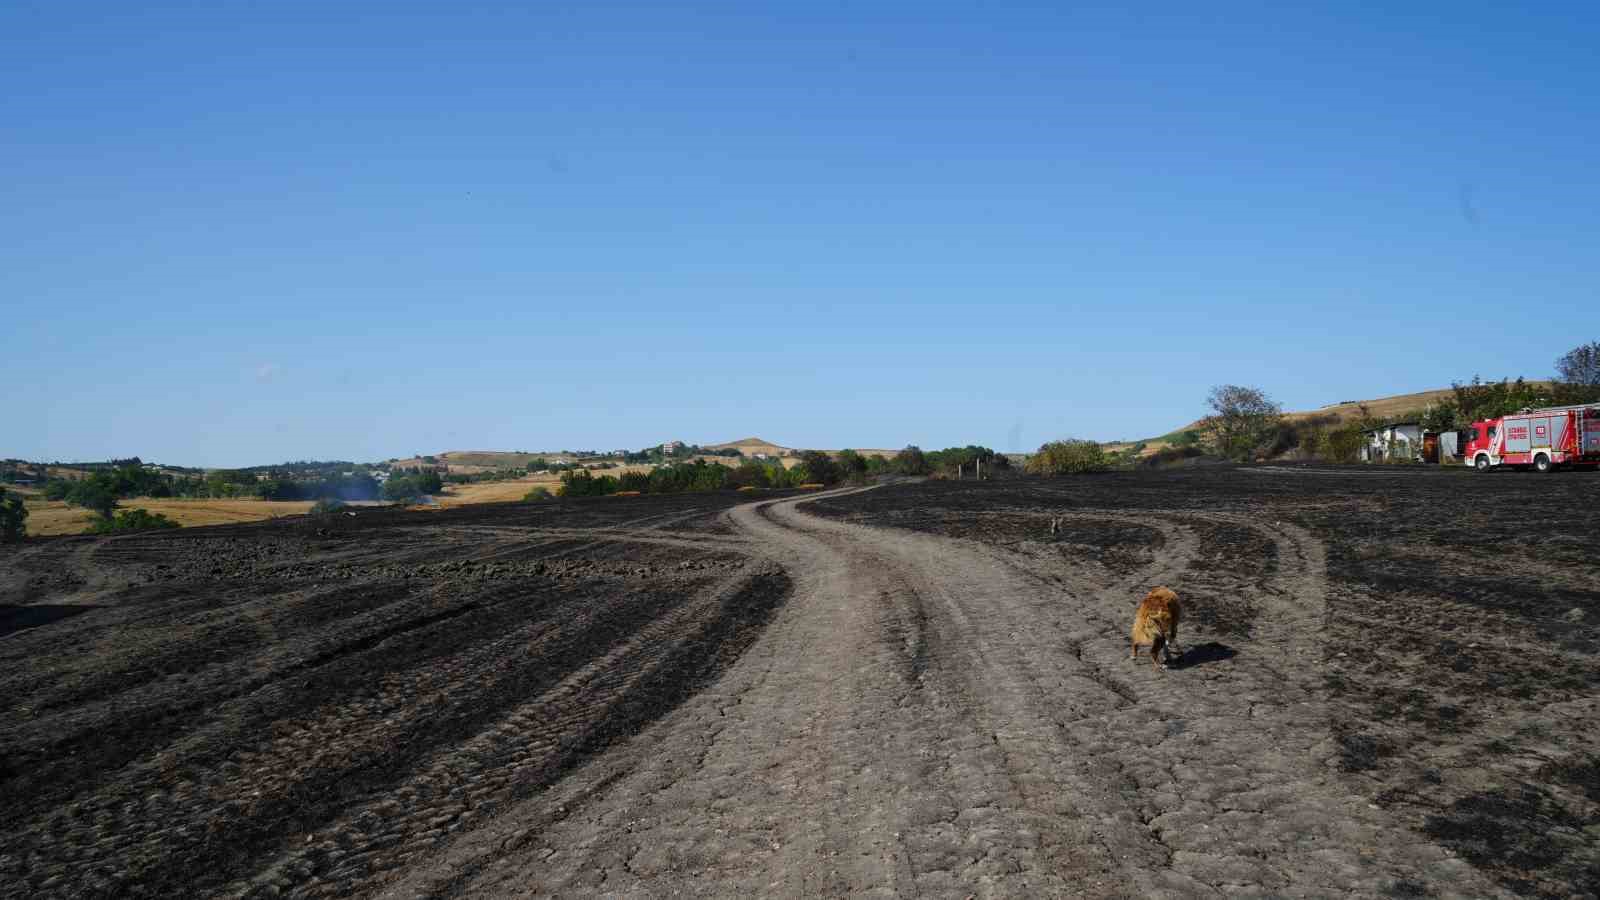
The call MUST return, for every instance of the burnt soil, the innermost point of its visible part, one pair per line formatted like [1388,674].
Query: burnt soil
[307,704]
[1389,685]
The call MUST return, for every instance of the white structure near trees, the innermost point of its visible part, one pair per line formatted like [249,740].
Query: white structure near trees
[1397,439]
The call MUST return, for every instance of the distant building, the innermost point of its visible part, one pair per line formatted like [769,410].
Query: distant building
[672,446]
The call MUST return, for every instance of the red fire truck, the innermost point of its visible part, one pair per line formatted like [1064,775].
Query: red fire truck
[1541,438]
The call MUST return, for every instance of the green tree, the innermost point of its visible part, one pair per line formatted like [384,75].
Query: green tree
[95,495]
[13,517]
[1242,419]
[1478,399]
[402,490]
[822,468]
[538,493]
[852,465]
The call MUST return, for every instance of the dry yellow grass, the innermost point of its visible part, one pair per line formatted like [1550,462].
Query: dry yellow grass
[492,491]
[56,517]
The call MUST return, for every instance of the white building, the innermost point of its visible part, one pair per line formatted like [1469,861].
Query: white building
[1402,439]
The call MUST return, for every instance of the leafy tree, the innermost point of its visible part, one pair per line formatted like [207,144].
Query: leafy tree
[910,461]
[1478,399]
[1581,365]
[1242,419]
[852,464]
[57,489]
[822,468]
[538,493]
[13,517]
[402,490]
[95,495]
[1068,457]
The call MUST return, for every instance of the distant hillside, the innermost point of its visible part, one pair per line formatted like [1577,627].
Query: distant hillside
[750,446]
[1381,408]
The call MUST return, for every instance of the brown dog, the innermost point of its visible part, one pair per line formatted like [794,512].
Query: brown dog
[1156,624]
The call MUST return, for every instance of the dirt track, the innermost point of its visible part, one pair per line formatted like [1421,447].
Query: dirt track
[441,703]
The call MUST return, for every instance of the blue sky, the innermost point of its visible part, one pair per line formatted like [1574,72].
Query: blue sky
[238,233]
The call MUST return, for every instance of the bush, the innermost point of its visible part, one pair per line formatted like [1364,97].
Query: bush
[633,481]
[1343,444]
[910,461]
[13,517]
[131,520]
[1067,457]
[537,493]
[326,506]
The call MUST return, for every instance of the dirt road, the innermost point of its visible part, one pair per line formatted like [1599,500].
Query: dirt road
[929,717]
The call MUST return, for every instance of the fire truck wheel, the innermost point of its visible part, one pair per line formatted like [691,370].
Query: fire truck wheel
[1541,463]
[1483,464]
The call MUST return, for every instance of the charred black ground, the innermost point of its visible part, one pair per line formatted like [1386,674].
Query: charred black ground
[326,706]
[235,688]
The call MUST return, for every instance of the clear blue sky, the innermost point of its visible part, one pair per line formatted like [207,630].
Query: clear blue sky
[238,233]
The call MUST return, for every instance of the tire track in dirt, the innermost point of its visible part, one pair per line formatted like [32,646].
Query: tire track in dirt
[1225,787]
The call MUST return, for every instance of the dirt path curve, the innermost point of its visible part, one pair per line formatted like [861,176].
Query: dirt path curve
[928,717]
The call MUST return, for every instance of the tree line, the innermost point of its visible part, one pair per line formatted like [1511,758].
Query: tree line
[814,467]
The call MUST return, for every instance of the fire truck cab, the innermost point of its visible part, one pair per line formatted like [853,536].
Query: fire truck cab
[1538,438]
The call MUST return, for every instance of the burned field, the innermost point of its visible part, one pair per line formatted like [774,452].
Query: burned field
[1389,686]
[1457,656]
[306,704]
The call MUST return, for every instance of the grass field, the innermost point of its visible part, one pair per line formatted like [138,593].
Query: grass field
[55,517]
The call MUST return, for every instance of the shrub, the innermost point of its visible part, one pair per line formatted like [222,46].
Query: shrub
[537,493]
[1343,444]
[1069,456]
[633,481]
[326,506]
[13,517]
[131,520]
[910,461]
